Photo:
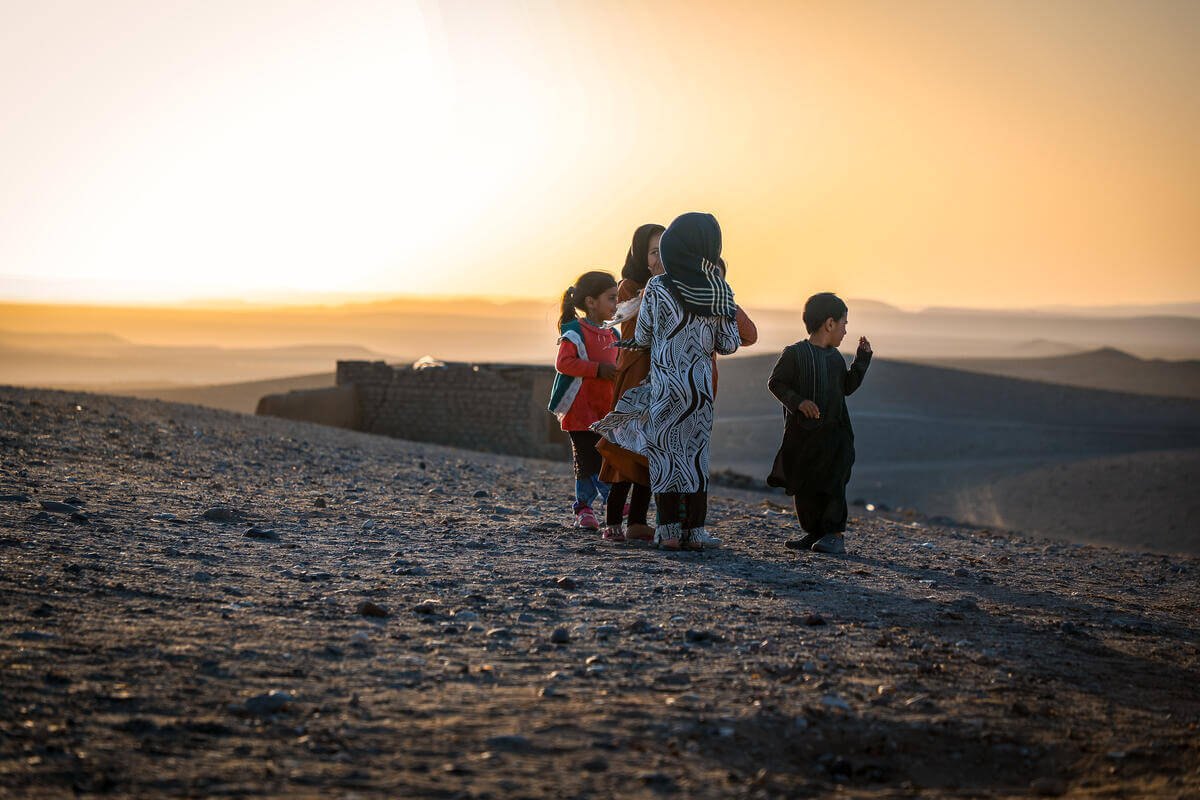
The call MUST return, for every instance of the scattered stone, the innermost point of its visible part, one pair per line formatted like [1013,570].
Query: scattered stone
[263,705]
[266,534]
[567,584]
[835,702]
[319,503]
[368,609]
[466,616]
[597,764]
[605,631]
[814,620]
[560,636]
[14,498]
[220,514]
[498,633]
[693,635]
[481,494]
[55,507]
[428,606]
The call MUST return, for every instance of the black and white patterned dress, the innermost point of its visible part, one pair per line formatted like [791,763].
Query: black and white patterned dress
[678,425]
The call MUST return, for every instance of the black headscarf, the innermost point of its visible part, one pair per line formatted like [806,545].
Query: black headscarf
[691,251]
[637,268]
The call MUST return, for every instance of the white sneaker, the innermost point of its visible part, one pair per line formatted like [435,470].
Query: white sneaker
[702,537]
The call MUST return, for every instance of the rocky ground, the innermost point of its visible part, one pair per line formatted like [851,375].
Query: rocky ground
[198,603]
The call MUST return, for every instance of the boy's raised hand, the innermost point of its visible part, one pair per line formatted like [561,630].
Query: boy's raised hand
[809,409]
[606,372]
[863,345]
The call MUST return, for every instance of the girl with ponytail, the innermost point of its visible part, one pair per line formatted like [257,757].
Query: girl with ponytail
[582,391]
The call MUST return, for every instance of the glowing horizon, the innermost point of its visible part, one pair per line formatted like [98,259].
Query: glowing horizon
[972,154]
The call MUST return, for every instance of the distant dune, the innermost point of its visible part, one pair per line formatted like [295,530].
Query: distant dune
[1106,368]
[242,397]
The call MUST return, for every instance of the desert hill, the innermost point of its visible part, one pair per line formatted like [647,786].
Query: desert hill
[204,603]
[1105,368]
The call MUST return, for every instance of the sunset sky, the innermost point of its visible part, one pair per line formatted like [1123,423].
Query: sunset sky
[1004,153]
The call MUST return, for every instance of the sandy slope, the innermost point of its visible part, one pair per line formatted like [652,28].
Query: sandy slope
[139,641]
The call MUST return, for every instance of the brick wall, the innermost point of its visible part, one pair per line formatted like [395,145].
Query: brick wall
[498,408]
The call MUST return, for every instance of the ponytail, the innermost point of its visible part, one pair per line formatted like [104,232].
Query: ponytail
[568,307]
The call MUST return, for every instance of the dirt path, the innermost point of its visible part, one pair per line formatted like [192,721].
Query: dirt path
[148,651]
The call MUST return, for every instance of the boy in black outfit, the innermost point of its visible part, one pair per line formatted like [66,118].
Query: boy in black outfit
[813,463]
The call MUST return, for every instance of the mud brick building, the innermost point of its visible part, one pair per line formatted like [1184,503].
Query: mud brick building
[497,408]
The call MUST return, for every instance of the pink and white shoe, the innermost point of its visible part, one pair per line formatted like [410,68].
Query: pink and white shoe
[614,533]
[586,518]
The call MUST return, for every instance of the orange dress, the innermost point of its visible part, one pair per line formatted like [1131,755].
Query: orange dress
[632,368]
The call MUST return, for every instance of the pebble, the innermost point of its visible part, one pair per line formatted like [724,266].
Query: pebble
[566,584]
[498,633]
[658,781]
[835,702]
[466,616]
[56,507]
[220,514]
[560,636]
[597,764]
[693,635]
[605,631]
[319,503]
[14,498]
[263,705]
[814,620]
[256,532]
[368,609]
[428,606]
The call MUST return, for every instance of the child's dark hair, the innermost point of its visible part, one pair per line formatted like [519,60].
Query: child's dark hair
[589,284]
[821,307]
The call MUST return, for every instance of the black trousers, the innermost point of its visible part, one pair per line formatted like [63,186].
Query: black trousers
[822,513]
[584,455]
[639,503]
[689,508]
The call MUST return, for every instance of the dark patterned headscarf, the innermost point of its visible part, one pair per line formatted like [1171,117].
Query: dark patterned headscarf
[691,252]
[637,268]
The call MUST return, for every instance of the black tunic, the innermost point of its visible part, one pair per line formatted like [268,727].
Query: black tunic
[816,454]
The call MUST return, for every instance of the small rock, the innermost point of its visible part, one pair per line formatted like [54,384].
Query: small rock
[498,633]
[597,764]
[14,498]
[360,639]
[480,494]
[526,618]
[263,705]
[835,702]
[220,514]
[605,631]
[428,606]
[560,636]
[368,609]
[693,635]
[466,616]
[55,507]
[319,503]
[266,534]
[566,584]
[814,620]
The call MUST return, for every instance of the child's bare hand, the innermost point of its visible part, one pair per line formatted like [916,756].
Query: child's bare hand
[606,372]
[863,345]
[809,409]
